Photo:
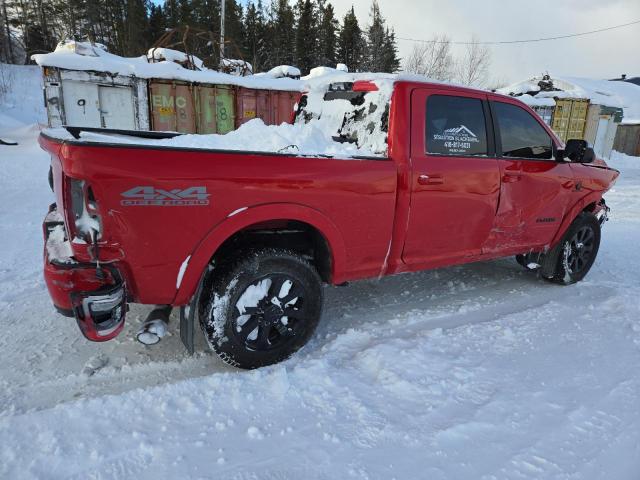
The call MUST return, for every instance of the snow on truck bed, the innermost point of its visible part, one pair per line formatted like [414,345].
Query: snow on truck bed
[313,134]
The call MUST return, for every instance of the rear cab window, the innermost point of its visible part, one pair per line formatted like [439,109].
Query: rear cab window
[520,134]
[455,126]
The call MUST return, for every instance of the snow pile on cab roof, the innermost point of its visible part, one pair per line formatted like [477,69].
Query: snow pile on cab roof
[601,92]
[85,56]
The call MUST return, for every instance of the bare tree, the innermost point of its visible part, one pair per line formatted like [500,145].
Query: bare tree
[473,67]
[432,58]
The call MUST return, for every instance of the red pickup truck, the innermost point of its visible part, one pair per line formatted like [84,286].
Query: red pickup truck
[244,240]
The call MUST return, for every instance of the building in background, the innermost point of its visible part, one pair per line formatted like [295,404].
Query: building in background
[628,135]
[588,109]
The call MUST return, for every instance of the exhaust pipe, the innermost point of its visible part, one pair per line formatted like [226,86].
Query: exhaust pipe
[155,325]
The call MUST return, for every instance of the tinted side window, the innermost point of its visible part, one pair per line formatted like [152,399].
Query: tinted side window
[455,126]
[521,134]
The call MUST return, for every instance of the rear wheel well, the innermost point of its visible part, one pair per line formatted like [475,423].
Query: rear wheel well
[293,235]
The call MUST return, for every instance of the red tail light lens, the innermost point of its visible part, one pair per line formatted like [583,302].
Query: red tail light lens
[84,220]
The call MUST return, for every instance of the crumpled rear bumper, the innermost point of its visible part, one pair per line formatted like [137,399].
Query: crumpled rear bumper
[602,212]
[95,296]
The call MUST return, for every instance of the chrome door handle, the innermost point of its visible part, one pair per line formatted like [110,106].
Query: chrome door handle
[425,179]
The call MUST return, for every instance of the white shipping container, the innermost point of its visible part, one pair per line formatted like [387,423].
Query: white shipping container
[94,99]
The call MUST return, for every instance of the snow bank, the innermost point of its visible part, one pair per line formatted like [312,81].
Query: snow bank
[623,162]
[22,104]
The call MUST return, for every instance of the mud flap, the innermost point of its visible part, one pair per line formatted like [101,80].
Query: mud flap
[187,319]
[550,260]
[187,327]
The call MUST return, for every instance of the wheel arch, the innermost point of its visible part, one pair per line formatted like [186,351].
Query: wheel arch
[587,203]
[232,226]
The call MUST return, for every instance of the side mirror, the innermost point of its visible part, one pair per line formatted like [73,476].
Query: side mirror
[579,151]
[589,156]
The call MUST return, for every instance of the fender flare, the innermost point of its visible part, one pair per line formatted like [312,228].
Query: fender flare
[219,233]
[579,206]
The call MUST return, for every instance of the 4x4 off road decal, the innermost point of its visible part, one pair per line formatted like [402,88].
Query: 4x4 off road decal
[146,196]
[457,139]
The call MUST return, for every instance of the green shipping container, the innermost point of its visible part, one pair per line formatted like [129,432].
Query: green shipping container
[215,108]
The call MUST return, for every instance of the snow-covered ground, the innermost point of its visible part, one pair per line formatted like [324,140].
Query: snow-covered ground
[473,372]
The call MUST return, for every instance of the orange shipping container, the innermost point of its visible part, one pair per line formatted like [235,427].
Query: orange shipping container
[172,106]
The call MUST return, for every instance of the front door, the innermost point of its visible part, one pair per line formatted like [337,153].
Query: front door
[455,180]
[536,190]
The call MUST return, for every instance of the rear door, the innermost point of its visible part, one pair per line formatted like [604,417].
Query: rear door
[116,107]
[81,104]
[536,189]
[455,178]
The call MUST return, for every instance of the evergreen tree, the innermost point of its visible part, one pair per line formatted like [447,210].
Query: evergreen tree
[381,55]
[374,59]
[351,42]
[157,23]
[306,36]
[255,36]
[172,13]
[281,34]
[233,29]
[327,35]
[391,61]
[136,31]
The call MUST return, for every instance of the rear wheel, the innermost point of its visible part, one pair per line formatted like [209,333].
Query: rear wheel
[263,308]
[577,250]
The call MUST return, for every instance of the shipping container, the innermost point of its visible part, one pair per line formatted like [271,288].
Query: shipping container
[172,106]
[94,99]
[252,103]
[215,106]
[272,106]
[601,126]
[628,139]
[570,117]
[545,112]
[283,103]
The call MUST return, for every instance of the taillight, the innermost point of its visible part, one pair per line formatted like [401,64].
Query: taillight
[85,219]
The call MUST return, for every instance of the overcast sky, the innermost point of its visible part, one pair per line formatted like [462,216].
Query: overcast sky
[601,55]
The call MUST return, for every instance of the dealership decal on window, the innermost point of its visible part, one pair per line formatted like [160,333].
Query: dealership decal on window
[457,139]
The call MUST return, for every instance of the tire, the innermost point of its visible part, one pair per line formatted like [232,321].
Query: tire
[573,257]
[262,308]
[522,260]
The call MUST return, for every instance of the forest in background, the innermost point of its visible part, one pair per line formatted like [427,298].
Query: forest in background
[305,34]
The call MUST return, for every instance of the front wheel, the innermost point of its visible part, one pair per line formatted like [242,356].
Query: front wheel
[577,250]
[263,308]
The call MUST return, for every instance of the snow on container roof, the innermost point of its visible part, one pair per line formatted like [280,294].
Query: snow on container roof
[283,71]
[600,92]
[84,56]
[169,55]
[537,101]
